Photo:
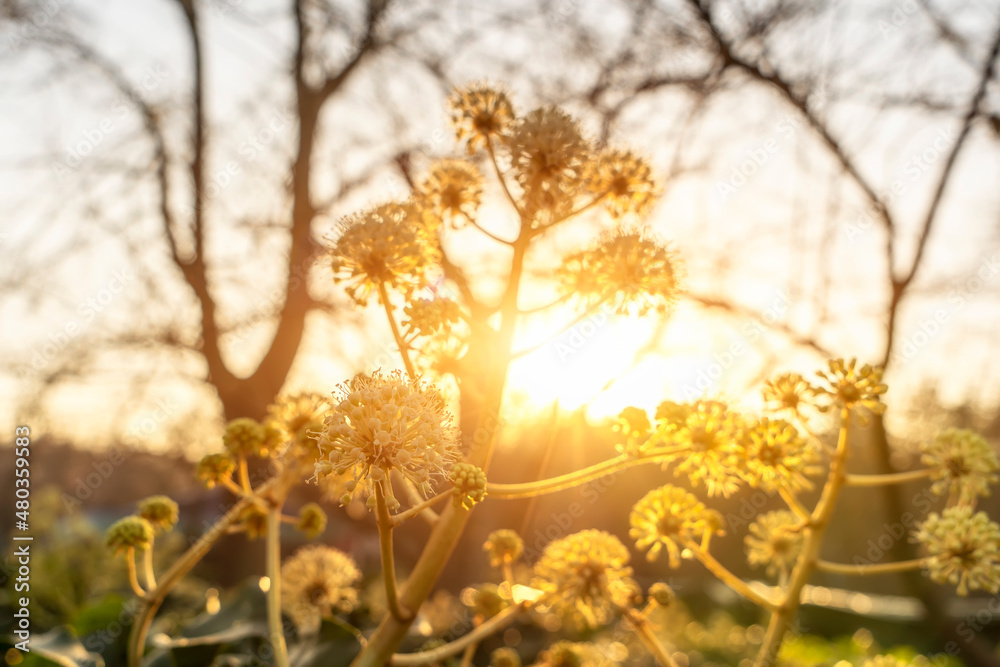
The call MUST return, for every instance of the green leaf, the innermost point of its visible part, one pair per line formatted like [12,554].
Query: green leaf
[61,647]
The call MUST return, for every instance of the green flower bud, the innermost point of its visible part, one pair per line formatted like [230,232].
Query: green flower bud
[312,520]
[214,469]
[132,532]
[245,437]
[470,484]
[160,511]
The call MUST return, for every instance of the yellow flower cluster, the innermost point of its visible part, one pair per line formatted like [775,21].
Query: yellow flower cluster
[427,317]
[213,469]
[452,191]
[788,392]
[503,546]
[628,268]
[480,113]
[387,245]
[312,520]
[574,654]
[381,423]
[963,548]
[634,427]
[964,465]
[160,511]
[673,518]
[853,387]
[713,435]
[626,181]
[774,541]
[585,576]
[318,581]
[470,484]
[296,420]
[777,456]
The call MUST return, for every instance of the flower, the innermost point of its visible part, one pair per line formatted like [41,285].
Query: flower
[505,657]
[853,387]
[503,546]
[964,464]
[297,420]
[160,511]
[629,268]
[131,532]
[452,191]
[386,245]
[245,437]
[668,517]
[625,181]
[777,456]
[716,456]
[312,520]
[634,426]
[789,391]
[253,520]
[549,156]
[381,423]
[574,654]
[585,575]
[671,415]
[470,484]
[481,113]
[662,594]
[427,317]
[963,548]
[215,469]
[774,540]
[486,601]
[318,581]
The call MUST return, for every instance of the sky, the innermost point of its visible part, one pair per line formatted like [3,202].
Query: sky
[756,199]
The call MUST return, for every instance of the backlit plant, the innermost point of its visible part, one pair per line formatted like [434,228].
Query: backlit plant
[389,439]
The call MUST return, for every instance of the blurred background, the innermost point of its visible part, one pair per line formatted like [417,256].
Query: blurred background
[170,170]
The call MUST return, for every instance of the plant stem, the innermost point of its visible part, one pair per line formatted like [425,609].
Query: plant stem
[500,176]
[470,652]
[870,569]
[722,573]
[273,556]
[399,518]
[782,617]
[793,503]
[384,520]
[190,558]
[498,622]
[245,476]
[577,477]
[427,514]
[892,478]
[147,563]
[133,579]
[649,638]
[404,350]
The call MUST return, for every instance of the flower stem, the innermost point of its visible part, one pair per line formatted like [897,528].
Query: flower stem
[273,555]
[470,652]
[133,579]
[245,476]
[427,514]
[723,574]
[578,477]
[784,615]
[498,622]
[404,350]
[147,563]
[500,177]
[793,503]
[649,639]
[892,478]
[384,520]
[399,518]
[869,569]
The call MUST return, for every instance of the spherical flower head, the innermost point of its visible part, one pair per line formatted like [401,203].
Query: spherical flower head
[573,654]
[662,594]
[480,113]
[215,469]
[789,392]
[470,484]
[634,428]
[504,546]
[452,191]
[487,601]
[625,181]
[131,532]
[426,317]
[253,521]
[386,245]
[586,576]
[384,422]
[853,387]
[963,548]
[312,520]
[549,157]
[317,582]
[245,437]
[505,657]
[297,419]
[668,517]
[778,457]
[774,540]
[160,511]
[964,465]
[714,438]
[628,268]
[671,415]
